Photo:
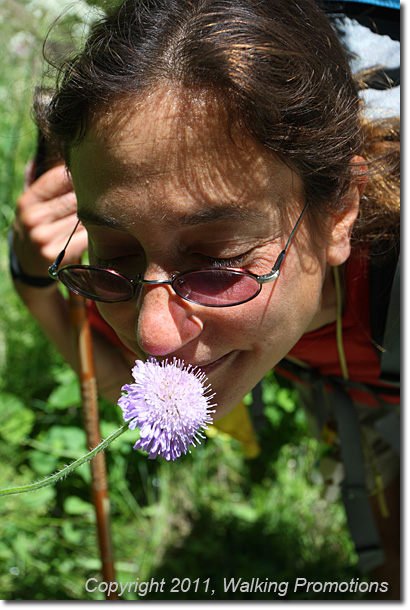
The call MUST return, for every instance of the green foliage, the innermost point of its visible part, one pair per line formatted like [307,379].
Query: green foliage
[211,514]
[24,25]
[16,421]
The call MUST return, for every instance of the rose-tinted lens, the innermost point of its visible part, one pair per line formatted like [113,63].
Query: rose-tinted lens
[96,284]
[217,287]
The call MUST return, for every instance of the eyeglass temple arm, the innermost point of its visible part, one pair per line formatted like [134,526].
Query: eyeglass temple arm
[52,270]
[274,274]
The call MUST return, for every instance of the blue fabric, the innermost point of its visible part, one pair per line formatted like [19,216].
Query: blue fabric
[385,3]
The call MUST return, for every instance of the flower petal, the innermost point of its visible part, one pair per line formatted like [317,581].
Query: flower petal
[170,404]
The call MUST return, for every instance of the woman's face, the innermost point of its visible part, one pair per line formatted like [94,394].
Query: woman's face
[162,187]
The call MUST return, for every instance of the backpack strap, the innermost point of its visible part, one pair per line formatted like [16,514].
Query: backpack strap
[359,513]
[337,405]
[390,358]
[258,407]
[355,497]
[384,304]
[388,425]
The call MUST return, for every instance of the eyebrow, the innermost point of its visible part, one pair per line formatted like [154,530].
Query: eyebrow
[88,217]
[224,213]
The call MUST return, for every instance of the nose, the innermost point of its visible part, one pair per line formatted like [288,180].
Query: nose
[165,322]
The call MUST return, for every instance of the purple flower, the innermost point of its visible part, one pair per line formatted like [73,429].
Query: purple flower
[170,404]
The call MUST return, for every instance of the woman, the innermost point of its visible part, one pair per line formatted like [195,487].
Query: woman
[205,137]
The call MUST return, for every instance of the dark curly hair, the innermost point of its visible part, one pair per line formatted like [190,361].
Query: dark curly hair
[279,67]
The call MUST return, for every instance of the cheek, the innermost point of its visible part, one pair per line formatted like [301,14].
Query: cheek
[119,316]
[295,303]
[278,316]
[252,327]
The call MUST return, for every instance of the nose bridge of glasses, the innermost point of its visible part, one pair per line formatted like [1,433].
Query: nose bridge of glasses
[138,282]
[154,282]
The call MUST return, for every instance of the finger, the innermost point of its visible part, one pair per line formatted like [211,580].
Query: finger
[45,243]
[55,235]
[47,212]
[52,184]
[76,248]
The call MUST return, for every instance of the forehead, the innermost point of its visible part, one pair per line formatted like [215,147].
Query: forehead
[177,139]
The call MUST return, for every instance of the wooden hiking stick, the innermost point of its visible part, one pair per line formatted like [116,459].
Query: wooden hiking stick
[48,156]
[83,341]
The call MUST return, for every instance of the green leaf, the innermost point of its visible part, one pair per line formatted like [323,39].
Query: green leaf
[274,415]
[286,399]
[77,506]
[16,421]
[42,463]
[84,472]
[248,399]
[244,512]
[67,395]
[42,497]
[70,534]
[21,546]
[66,438]
[107,428]
[269,392]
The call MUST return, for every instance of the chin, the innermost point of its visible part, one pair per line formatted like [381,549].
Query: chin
[225,403]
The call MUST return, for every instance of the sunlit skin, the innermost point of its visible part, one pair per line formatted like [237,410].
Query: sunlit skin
[162,186]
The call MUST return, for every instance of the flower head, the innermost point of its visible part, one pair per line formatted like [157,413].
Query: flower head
[169,402]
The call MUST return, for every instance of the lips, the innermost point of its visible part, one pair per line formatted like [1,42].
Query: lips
[211,366]
[205,368]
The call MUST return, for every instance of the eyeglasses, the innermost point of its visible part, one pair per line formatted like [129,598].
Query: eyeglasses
[211,286]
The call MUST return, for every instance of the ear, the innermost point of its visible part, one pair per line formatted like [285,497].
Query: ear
[338,250]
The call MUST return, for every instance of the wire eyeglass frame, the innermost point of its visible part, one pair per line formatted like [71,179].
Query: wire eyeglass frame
[177,281]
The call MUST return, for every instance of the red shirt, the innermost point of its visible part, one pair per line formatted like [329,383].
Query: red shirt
[318,348]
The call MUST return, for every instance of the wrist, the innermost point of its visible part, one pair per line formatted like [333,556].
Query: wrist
[19,275]
[42,303]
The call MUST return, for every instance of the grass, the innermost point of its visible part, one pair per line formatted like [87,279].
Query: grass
[210,516]
[213,514]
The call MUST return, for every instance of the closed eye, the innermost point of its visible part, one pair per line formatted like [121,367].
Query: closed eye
[237,261]
[117,262]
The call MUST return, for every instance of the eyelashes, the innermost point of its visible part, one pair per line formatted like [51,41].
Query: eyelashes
[128,265]
[136,260]
[227,262]
[235,261]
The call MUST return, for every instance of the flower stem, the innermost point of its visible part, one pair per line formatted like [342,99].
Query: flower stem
[57,476]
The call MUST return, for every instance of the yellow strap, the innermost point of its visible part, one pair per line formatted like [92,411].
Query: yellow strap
[381,498]
[378,489]
[339,324]
[378,481]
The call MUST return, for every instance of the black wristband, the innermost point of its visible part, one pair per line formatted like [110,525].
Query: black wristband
[18,274]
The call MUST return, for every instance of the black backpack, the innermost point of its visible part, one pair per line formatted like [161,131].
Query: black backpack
[384,295]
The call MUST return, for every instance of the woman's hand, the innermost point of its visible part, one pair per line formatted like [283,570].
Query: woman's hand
[45,217]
